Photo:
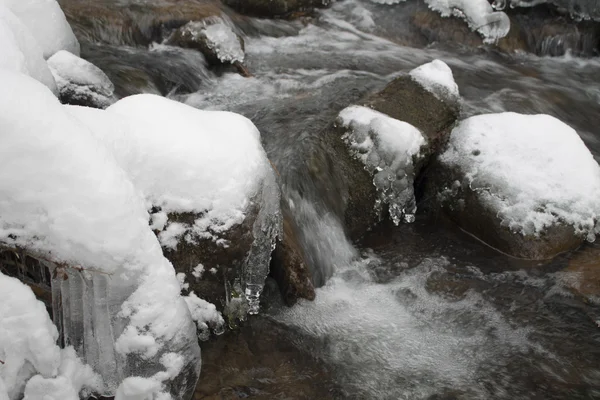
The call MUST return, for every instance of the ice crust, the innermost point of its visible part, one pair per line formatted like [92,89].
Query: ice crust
[386,147]
[532,170]
[224,42]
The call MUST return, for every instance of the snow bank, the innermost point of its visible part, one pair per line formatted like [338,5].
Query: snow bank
[32,360]
[437,78]
[47,23]
[386,147]
[20,50]
[80,82]
[66,199]
[533,170]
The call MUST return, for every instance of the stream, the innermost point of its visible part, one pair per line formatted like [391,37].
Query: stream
[420,311]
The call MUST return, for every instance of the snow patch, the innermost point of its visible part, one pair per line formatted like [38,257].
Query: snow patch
[386,147]
[437,78]
[198,271]
[533,171]
[205,315]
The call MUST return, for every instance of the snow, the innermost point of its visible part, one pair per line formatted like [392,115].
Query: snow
[198,271]
[437,78]
[205,315]
[47,23]
[66,199]
[386,147]
[20,50]
[33,363]
[138,388]
[534,171]
[80,80]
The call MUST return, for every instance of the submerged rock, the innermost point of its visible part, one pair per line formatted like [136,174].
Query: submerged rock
[80,82]
[275,8]
[524,184]
[377,149]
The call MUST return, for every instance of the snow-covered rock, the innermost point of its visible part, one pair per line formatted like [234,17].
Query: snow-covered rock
[207,178]
[66,200]
[219,44]
[479,14]
[47,23]
[80,82]
[437,77]
[526,184]
[379,148]
[20,50]
[386,147]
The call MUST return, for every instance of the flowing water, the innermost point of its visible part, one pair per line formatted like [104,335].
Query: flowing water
[420,311]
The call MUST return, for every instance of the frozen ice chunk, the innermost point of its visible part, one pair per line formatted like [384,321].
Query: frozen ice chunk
[387,147]
[47,23]
[533,170]
[81,82]
[437,78]
[20,50]
[65,199]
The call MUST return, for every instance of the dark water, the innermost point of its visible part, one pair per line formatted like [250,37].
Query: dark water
[421,311]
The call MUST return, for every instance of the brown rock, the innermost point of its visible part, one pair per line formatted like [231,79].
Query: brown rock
[276,8]
[289,266]
[463,206]
[584,269]
[349,188]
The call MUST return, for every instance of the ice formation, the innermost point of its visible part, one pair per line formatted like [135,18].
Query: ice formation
[533,170]
[209,163]
[387,148]
[80,81]
[479,14]
[32,362]
[67,201]
[219,38]
[224,42]
[437,78]
[20,50]
[47,23]
[205,315]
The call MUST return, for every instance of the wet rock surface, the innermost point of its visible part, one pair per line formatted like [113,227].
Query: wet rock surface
[275,8]
[403,99]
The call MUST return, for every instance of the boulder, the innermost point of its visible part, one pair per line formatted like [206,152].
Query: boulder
[276,8]
[80,82]
[524,184]
[345,173]
[216,41]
